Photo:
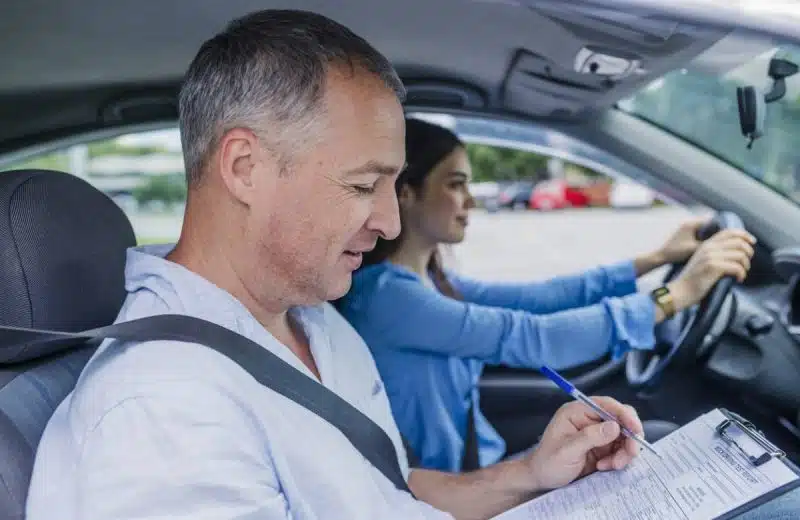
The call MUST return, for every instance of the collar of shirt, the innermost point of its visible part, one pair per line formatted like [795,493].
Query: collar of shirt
[147,269]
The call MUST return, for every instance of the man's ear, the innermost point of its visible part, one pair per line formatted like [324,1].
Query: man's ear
[239,162]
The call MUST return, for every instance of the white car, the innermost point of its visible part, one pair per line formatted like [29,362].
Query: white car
[626,194]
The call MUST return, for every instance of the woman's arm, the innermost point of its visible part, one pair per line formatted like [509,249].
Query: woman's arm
[408,314]
[587,288]
[650,262]
[557,294]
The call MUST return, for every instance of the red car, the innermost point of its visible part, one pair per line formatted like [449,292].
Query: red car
[557,194]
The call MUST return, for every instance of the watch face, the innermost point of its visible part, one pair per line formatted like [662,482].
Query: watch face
[663,299]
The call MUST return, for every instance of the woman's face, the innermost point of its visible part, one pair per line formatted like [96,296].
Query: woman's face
[439,211]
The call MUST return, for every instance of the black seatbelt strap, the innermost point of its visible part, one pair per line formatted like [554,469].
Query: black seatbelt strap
[470,460]
[267,368]
[413,460]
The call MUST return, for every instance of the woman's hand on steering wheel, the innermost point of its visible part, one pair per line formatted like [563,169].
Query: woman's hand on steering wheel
[707,279]
[682,243]
[727,253]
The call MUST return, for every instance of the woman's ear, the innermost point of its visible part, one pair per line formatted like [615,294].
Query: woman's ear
[406,197]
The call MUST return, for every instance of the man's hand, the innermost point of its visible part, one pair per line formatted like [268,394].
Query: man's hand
[578,442]
[727,253]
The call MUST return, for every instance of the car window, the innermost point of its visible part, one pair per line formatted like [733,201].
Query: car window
[571,217]
[699,104]
[142,172]
[538,215]
[570,221]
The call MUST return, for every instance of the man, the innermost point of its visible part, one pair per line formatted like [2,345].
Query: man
[293,134]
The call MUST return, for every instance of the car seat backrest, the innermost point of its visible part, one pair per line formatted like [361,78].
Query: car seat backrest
[62,262]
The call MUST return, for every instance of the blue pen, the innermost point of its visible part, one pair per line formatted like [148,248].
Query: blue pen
[580,396]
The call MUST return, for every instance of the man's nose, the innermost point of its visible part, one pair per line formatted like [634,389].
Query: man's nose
[385,217]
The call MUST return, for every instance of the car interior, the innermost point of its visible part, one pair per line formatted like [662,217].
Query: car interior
[96,69]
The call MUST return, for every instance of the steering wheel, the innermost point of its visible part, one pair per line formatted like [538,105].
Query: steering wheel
[693,335]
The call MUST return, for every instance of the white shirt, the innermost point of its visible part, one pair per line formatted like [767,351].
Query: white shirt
[172,430]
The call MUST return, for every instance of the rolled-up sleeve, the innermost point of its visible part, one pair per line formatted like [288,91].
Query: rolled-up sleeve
[634,320]
[553,295]
[407,314]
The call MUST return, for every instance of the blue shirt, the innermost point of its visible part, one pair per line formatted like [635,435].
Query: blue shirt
[167,429]
[431,349]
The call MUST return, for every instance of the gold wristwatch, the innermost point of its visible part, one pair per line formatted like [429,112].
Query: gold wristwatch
[663,298]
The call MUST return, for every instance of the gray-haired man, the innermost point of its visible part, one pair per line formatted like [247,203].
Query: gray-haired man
[293,135]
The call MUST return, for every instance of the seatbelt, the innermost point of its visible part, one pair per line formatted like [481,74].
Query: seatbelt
[470,460]
[267,368]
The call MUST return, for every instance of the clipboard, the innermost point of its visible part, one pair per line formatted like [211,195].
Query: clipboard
[766,451]
[716,455]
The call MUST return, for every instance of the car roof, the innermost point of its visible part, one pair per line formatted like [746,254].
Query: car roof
[82,65]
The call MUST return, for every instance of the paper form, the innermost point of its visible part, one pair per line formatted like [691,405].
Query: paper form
[700,477]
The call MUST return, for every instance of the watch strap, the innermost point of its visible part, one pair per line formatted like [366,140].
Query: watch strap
[663,298]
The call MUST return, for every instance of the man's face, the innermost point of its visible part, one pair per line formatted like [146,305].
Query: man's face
[337,196]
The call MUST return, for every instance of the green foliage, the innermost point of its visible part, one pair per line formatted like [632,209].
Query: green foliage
[702,109]
[491,163]
[147,240]
[59,160]
[112,147]
[52,161]
[169,189]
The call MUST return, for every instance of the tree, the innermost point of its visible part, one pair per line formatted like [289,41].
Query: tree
[112,147]
[52,161]
[493,163]
[168,189]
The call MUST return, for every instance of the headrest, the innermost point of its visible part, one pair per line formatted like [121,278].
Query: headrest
[62,255]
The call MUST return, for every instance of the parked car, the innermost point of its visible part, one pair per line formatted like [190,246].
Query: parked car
[484,193]
[557,194]
[628,194]
[516,195]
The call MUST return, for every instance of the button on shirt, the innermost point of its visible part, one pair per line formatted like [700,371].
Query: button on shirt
[431,349]
[175,430]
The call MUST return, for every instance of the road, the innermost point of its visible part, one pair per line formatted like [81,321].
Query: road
[517,246]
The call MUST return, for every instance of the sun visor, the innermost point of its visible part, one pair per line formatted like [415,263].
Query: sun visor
[628,25]
[741,57]
[611,54]
[553,89]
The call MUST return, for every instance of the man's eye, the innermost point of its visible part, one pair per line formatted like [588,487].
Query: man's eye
[364,190]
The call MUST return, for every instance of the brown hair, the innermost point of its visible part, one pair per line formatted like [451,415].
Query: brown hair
[426,146]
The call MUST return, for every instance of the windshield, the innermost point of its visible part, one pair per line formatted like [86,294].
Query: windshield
[699,105]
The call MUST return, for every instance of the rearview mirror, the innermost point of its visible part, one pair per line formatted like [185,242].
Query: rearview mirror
[753,104]
[752,113]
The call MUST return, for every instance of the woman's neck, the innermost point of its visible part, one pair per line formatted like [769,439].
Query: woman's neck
[414,254]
